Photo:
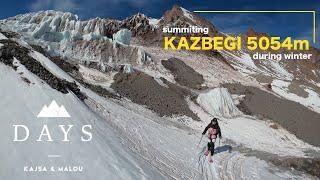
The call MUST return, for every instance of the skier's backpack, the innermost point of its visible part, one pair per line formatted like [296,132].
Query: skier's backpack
[212,133]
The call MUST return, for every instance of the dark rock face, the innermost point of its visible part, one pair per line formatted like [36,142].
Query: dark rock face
[73,70]
[177,17]
[307,165]
[143,89]
[26,80]
[39,49]
[9,34]
[65,65]
[138,24]
[98,90]
[294,117]
[183,73]
[12,49]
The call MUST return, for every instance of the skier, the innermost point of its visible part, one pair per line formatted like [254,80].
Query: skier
[213,129]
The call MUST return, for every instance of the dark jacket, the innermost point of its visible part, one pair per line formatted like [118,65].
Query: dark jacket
[214,126]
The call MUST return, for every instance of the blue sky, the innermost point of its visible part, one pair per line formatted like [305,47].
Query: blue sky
[295,25]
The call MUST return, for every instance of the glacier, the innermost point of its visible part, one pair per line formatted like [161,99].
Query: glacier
[123,36]
[218,101]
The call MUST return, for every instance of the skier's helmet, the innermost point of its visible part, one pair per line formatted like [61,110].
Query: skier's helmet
[214,121]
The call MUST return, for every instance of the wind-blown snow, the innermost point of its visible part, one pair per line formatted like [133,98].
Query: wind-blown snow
[312,101]
[218,101]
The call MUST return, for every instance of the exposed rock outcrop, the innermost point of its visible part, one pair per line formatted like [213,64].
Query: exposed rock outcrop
[12,50]
[183,73]
[144,90]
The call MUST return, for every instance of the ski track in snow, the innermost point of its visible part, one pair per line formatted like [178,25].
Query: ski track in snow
[173,150]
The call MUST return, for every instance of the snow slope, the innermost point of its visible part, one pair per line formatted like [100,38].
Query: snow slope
[242,62]
[187,13]
[312,101]
[103,157]
[171,146]
[245,130]
[279,74]
[2,36]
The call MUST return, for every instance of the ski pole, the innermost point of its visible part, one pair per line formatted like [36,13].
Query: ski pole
[200,141]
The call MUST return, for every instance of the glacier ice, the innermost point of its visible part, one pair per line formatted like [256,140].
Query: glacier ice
[92,36]
[218,101]
[127,68]
[123,36]
[65,35]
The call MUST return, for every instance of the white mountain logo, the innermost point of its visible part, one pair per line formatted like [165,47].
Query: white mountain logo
[53,111]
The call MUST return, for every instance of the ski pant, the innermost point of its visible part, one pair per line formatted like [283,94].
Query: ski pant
[211,147]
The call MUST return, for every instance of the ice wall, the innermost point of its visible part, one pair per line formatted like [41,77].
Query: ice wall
[218,101]
[123,36]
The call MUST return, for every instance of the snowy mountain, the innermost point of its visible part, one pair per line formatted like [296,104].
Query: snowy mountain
[294,79]
[148,106]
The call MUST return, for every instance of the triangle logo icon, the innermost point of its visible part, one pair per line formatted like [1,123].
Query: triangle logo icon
[53,111]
